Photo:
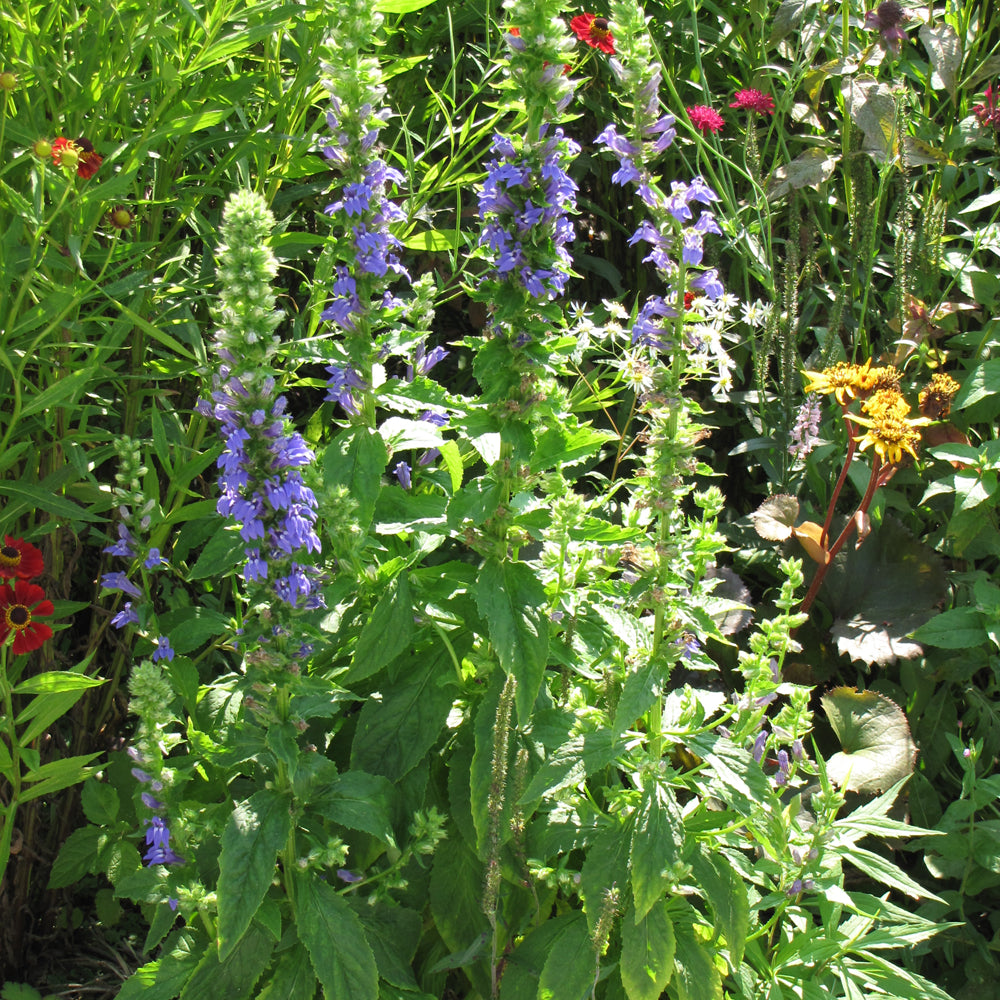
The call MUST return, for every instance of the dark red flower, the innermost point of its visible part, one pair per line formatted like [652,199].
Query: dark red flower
[20,559]
[594,31]
[18,610]
[89,164]
[754,100]
[705,118]
[988,113]
[887,19]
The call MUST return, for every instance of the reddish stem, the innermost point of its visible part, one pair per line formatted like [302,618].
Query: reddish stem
[851,445]
[873,483]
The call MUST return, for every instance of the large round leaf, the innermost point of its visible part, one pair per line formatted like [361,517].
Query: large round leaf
[877,750]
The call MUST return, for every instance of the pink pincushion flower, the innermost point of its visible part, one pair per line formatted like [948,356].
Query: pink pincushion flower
[888,19]
[754,100]
[705,118]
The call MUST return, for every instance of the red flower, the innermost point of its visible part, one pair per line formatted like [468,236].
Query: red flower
[754,100]
[705,118]
[594,31]
[18,609]
[20,558]
[78,154]
[988,113]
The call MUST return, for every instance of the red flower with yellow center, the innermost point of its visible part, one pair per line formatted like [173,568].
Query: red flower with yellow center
[18,610]
[20,559]
[79,154]
[594,31]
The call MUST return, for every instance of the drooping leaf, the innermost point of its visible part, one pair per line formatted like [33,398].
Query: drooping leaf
[945,50]
[571,963]
[726,893]
[808,169]
[872,106]
[335,939]
[359,801]
[256,831]
[876,747]
[512,601]
[386,634]
[696,976]
[657,844]
[648,945]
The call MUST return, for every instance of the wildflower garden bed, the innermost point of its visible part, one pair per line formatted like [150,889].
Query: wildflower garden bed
[499,500]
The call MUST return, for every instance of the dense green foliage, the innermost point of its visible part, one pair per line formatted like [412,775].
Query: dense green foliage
[498,547]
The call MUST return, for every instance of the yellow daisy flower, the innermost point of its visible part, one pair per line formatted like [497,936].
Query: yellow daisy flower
[843,380]
[935,400]
[889,430]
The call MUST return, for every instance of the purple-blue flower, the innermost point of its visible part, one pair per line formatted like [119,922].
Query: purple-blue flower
[158,841]
[119,581]
[125,617]
[163,650]
[402,471]
[123,547]
[759,744]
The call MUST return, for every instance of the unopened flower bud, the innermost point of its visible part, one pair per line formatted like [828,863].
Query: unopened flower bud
[8,81]
[121,218]
[42,149]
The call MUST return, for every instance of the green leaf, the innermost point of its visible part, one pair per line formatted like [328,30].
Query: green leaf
[34,497]
[386,634]
[394,933]
[234,977]
[884,871]
[56,681]
[572,763]
[524,966]
[657,844]
[355,460]
[164,978]
[401,6]
[983,382]
[648,945]
[877,750]
[959,628]
[775,518]
[223,553]
[725,891]
[512,601]
[359,801]
[333,936]
[56,775]
[256,831]
[695,975]
[456,895]
[100,802]
[569,970]
[77,856]
[606,865]
[292,977]
[394,734]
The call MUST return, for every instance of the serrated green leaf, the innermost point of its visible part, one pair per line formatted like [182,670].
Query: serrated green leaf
[256,831]
[335,939]
[884,871]
[657,844]
[76,857]
[386,634]
[647,962]
[359,801]
[292,977]
[235,976]
[394,734]
[568,973]
[958,628]
[164,978]
[100,802]
[355,460]
[726,893]
[572,763]
[512,601]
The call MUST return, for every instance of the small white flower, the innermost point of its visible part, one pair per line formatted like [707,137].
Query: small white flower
[723,307]
[636,372]
[615,309]
[755,313]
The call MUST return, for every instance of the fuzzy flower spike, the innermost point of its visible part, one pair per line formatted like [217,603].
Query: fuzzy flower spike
[260,482]
[363,208]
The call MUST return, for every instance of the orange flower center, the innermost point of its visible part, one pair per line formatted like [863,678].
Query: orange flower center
[10,556]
